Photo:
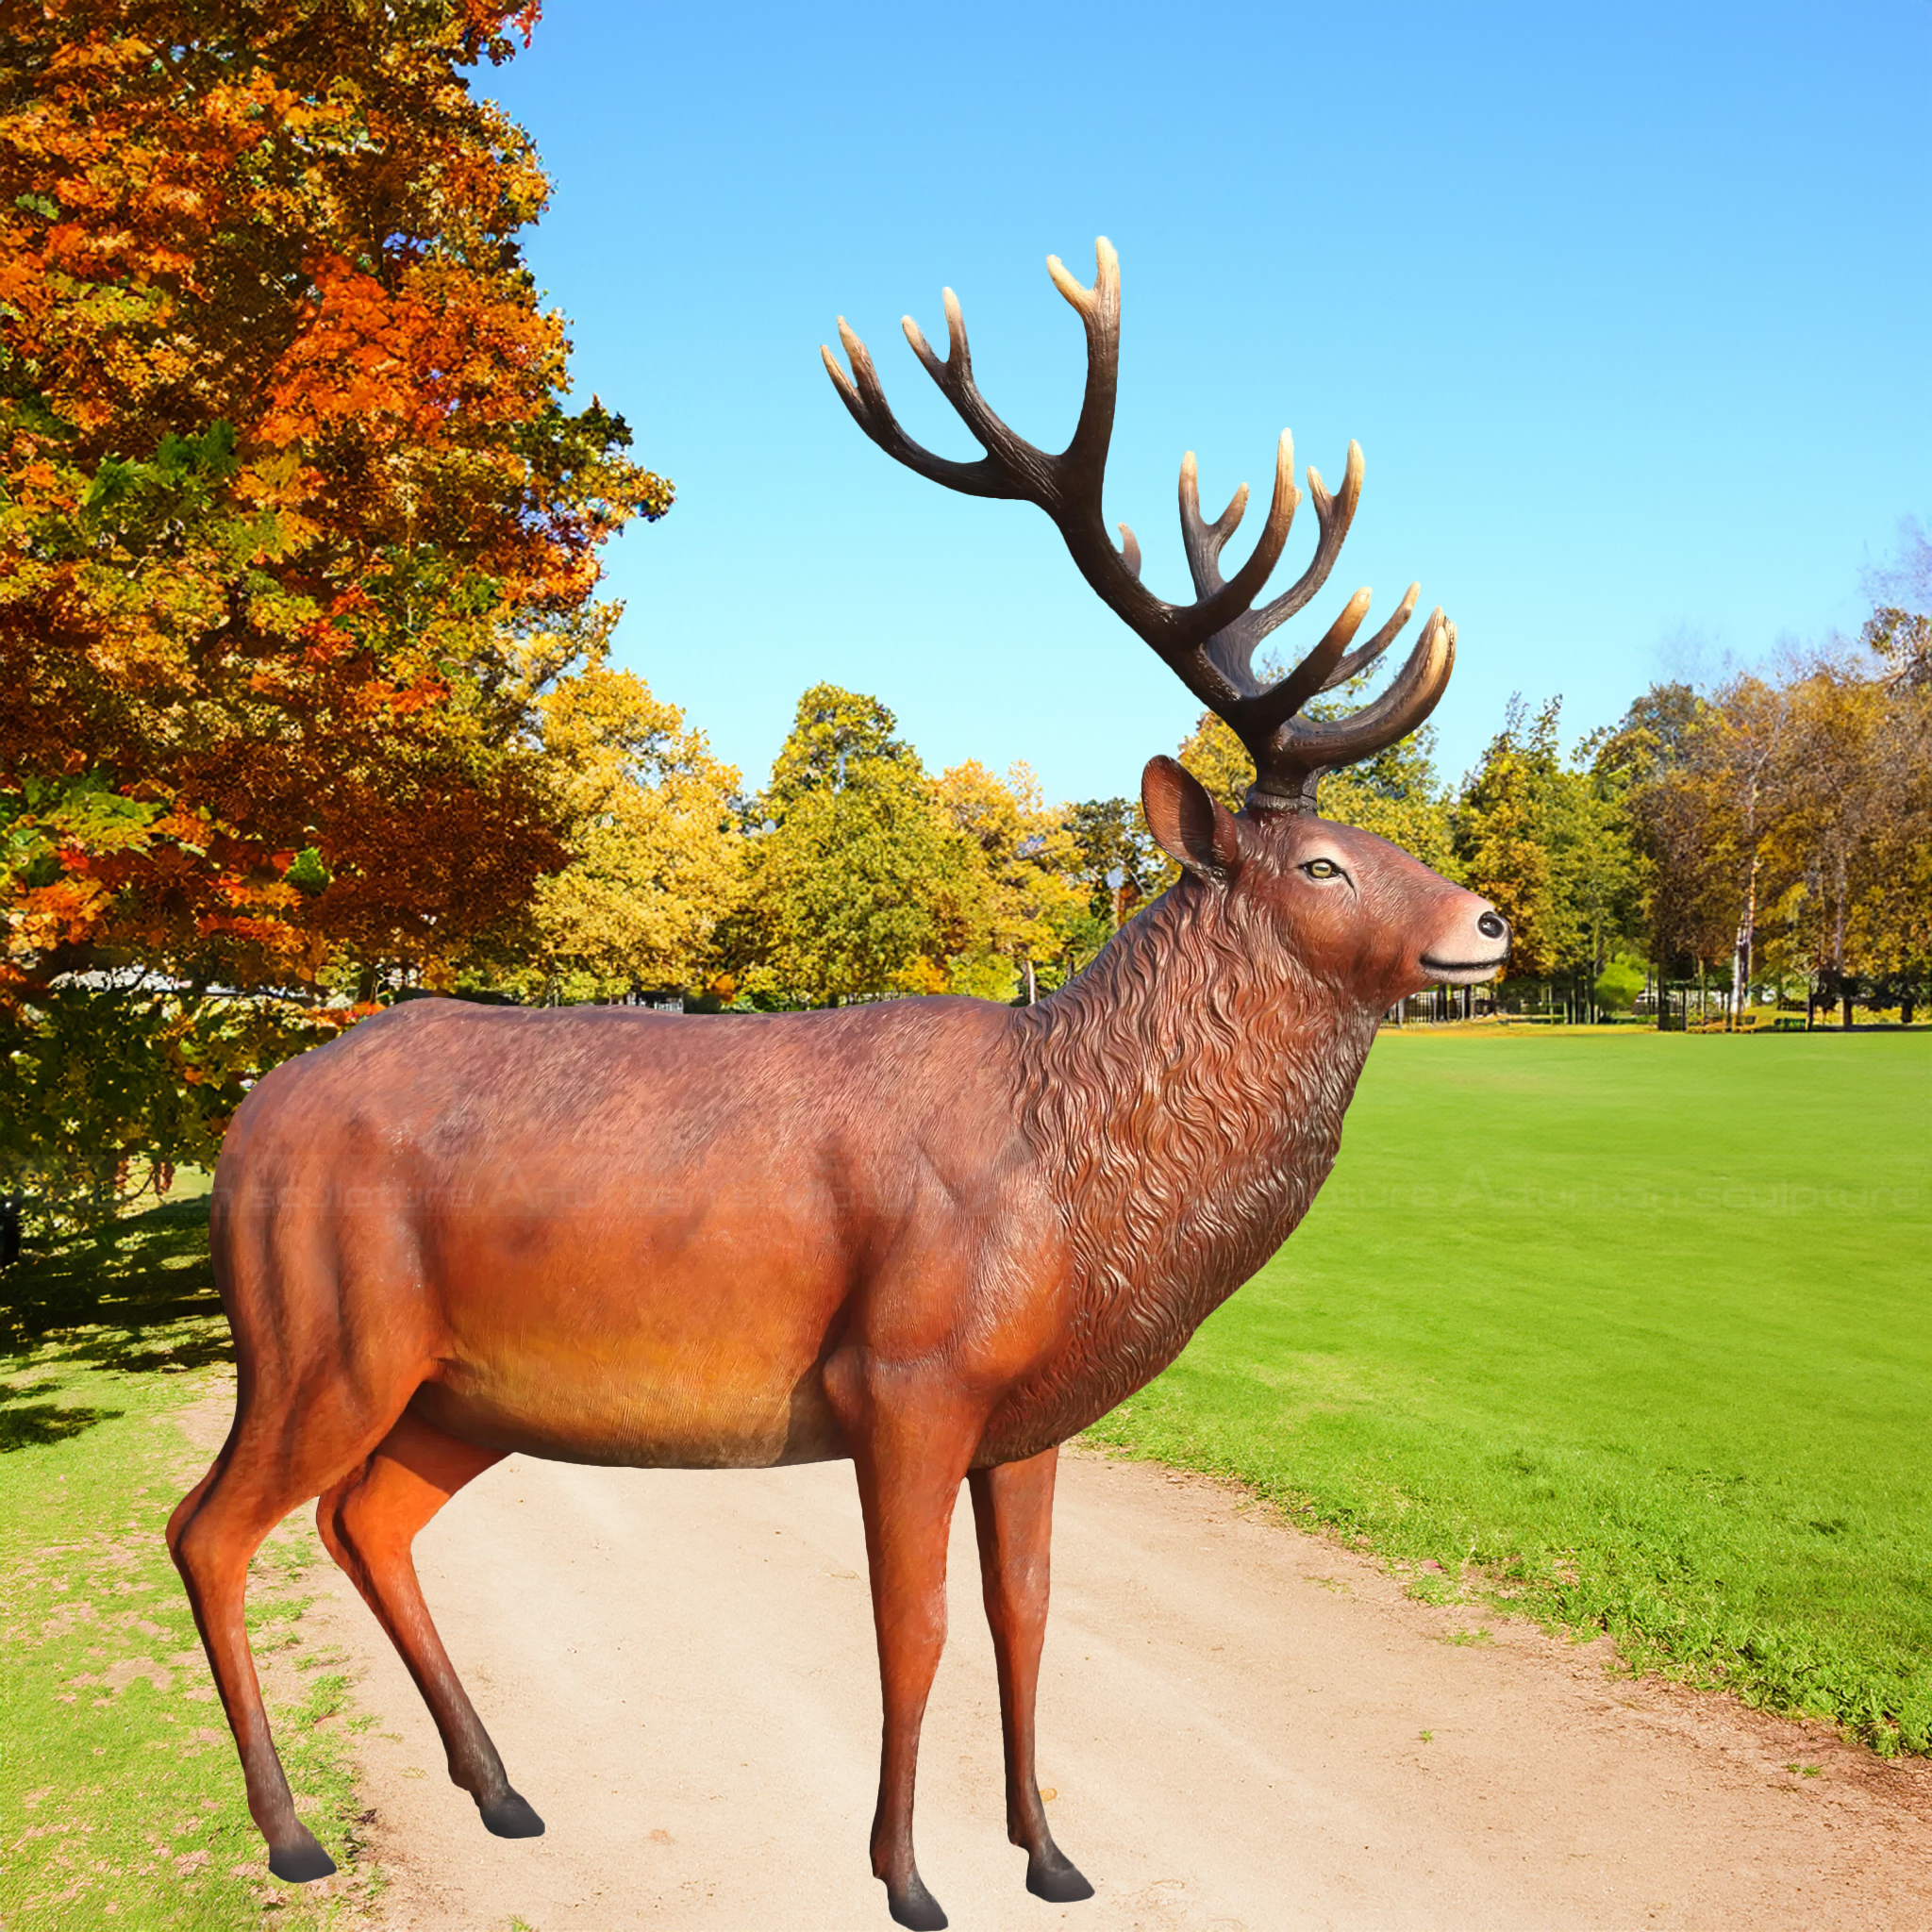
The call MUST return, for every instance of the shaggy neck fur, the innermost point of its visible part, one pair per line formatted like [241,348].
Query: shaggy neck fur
[1186,1096]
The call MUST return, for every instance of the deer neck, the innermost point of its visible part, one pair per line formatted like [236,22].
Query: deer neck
[1185,1096]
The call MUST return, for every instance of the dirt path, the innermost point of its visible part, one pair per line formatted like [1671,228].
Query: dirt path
[678,1670]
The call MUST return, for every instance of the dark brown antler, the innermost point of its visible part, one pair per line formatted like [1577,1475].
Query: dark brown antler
[1209,643]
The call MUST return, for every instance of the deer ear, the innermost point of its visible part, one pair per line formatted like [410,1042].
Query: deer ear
[1189,826]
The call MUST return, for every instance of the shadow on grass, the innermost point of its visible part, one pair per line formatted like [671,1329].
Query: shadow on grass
[123,1297]
[47,1422]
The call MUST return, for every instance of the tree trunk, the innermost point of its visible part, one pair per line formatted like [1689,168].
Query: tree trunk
[1741,953]
[1844,993]
[1032,985]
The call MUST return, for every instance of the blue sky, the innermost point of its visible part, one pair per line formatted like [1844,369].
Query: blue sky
[1627,307]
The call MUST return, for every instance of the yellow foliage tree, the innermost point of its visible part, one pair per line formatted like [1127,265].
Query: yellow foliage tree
[656,856]
[1030,902]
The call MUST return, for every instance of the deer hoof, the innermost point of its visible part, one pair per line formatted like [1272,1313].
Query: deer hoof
[301,1860]
[511,1817]
[916,1908]
[1058,1881]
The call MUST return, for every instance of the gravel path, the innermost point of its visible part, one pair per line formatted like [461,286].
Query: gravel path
[1243,1727]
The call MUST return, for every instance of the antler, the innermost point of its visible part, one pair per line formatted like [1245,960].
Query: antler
[1209,643]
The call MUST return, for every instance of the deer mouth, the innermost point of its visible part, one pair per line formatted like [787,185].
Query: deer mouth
[1463,972]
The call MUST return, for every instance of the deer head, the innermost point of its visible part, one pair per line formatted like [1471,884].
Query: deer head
[1364,916]
[1385,919]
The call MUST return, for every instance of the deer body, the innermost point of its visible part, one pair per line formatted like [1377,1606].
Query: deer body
[617,1237]
[935,1237]
[599,1235]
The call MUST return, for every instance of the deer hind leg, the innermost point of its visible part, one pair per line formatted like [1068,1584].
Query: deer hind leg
[269,1464]
[909,1468]
[369,1520]
[1012,1513]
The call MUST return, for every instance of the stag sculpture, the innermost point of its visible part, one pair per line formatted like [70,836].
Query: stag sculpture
[936,1237]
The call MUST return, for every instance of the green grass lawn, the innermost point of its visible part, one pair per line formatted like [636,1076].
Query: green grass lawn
[1629,1330]
[1632,1330]
[120,1800]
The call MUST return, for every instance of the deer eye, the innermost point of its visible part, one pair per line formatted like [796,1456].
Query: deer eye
[1323,868]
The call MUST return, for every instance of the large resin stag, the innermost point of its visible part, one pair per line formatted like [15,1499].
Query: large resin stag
[936,1237]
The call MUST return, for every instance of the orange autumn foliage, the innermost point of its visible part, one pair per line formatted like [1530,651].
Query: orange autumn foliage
[293,519]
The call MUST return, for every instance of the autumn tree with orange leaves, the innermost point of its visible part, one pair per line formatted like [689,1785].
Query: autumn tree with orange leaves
[295,529]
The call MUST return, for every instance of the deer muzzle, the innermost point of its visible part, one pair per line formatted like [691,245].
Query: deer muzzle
[1472,947]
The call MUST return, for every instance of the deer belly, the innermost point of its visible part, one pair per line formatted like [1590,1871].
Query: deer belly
[705,1365]
[642,1414]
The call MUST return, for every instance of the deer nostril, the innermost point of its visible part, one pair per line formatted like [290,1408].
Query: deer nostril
[1491,925]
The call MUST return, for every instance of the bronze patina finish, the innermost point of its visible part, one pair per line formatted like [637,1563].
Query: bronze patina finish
[936,1237]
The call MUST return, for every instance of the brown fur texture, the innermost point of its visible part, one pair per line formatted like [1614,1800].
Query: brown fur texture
[1197,1045]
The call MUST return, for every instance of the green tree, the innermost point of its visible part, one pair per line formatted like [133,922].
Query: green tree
[1618,985]
[859,885]
[1114,865]
[1596,878]
[1502,835]
[1551,844]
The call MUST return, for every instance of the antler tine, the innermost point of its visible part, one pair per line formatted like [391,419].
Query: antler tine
[865,399]
[1334,514]
[1287,695]
[1099,310]
[1205,540]
[954,376]
[1360,659]
[1243,587]
[1232,650]
[1300,749]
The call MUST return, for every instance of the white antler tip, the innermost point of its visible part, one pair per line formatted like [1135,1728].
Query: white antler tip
[1069,284]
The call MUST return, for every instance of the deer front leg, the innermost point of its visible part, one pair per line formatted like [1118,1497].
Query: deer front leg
[1012,1512]
[910,1458]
